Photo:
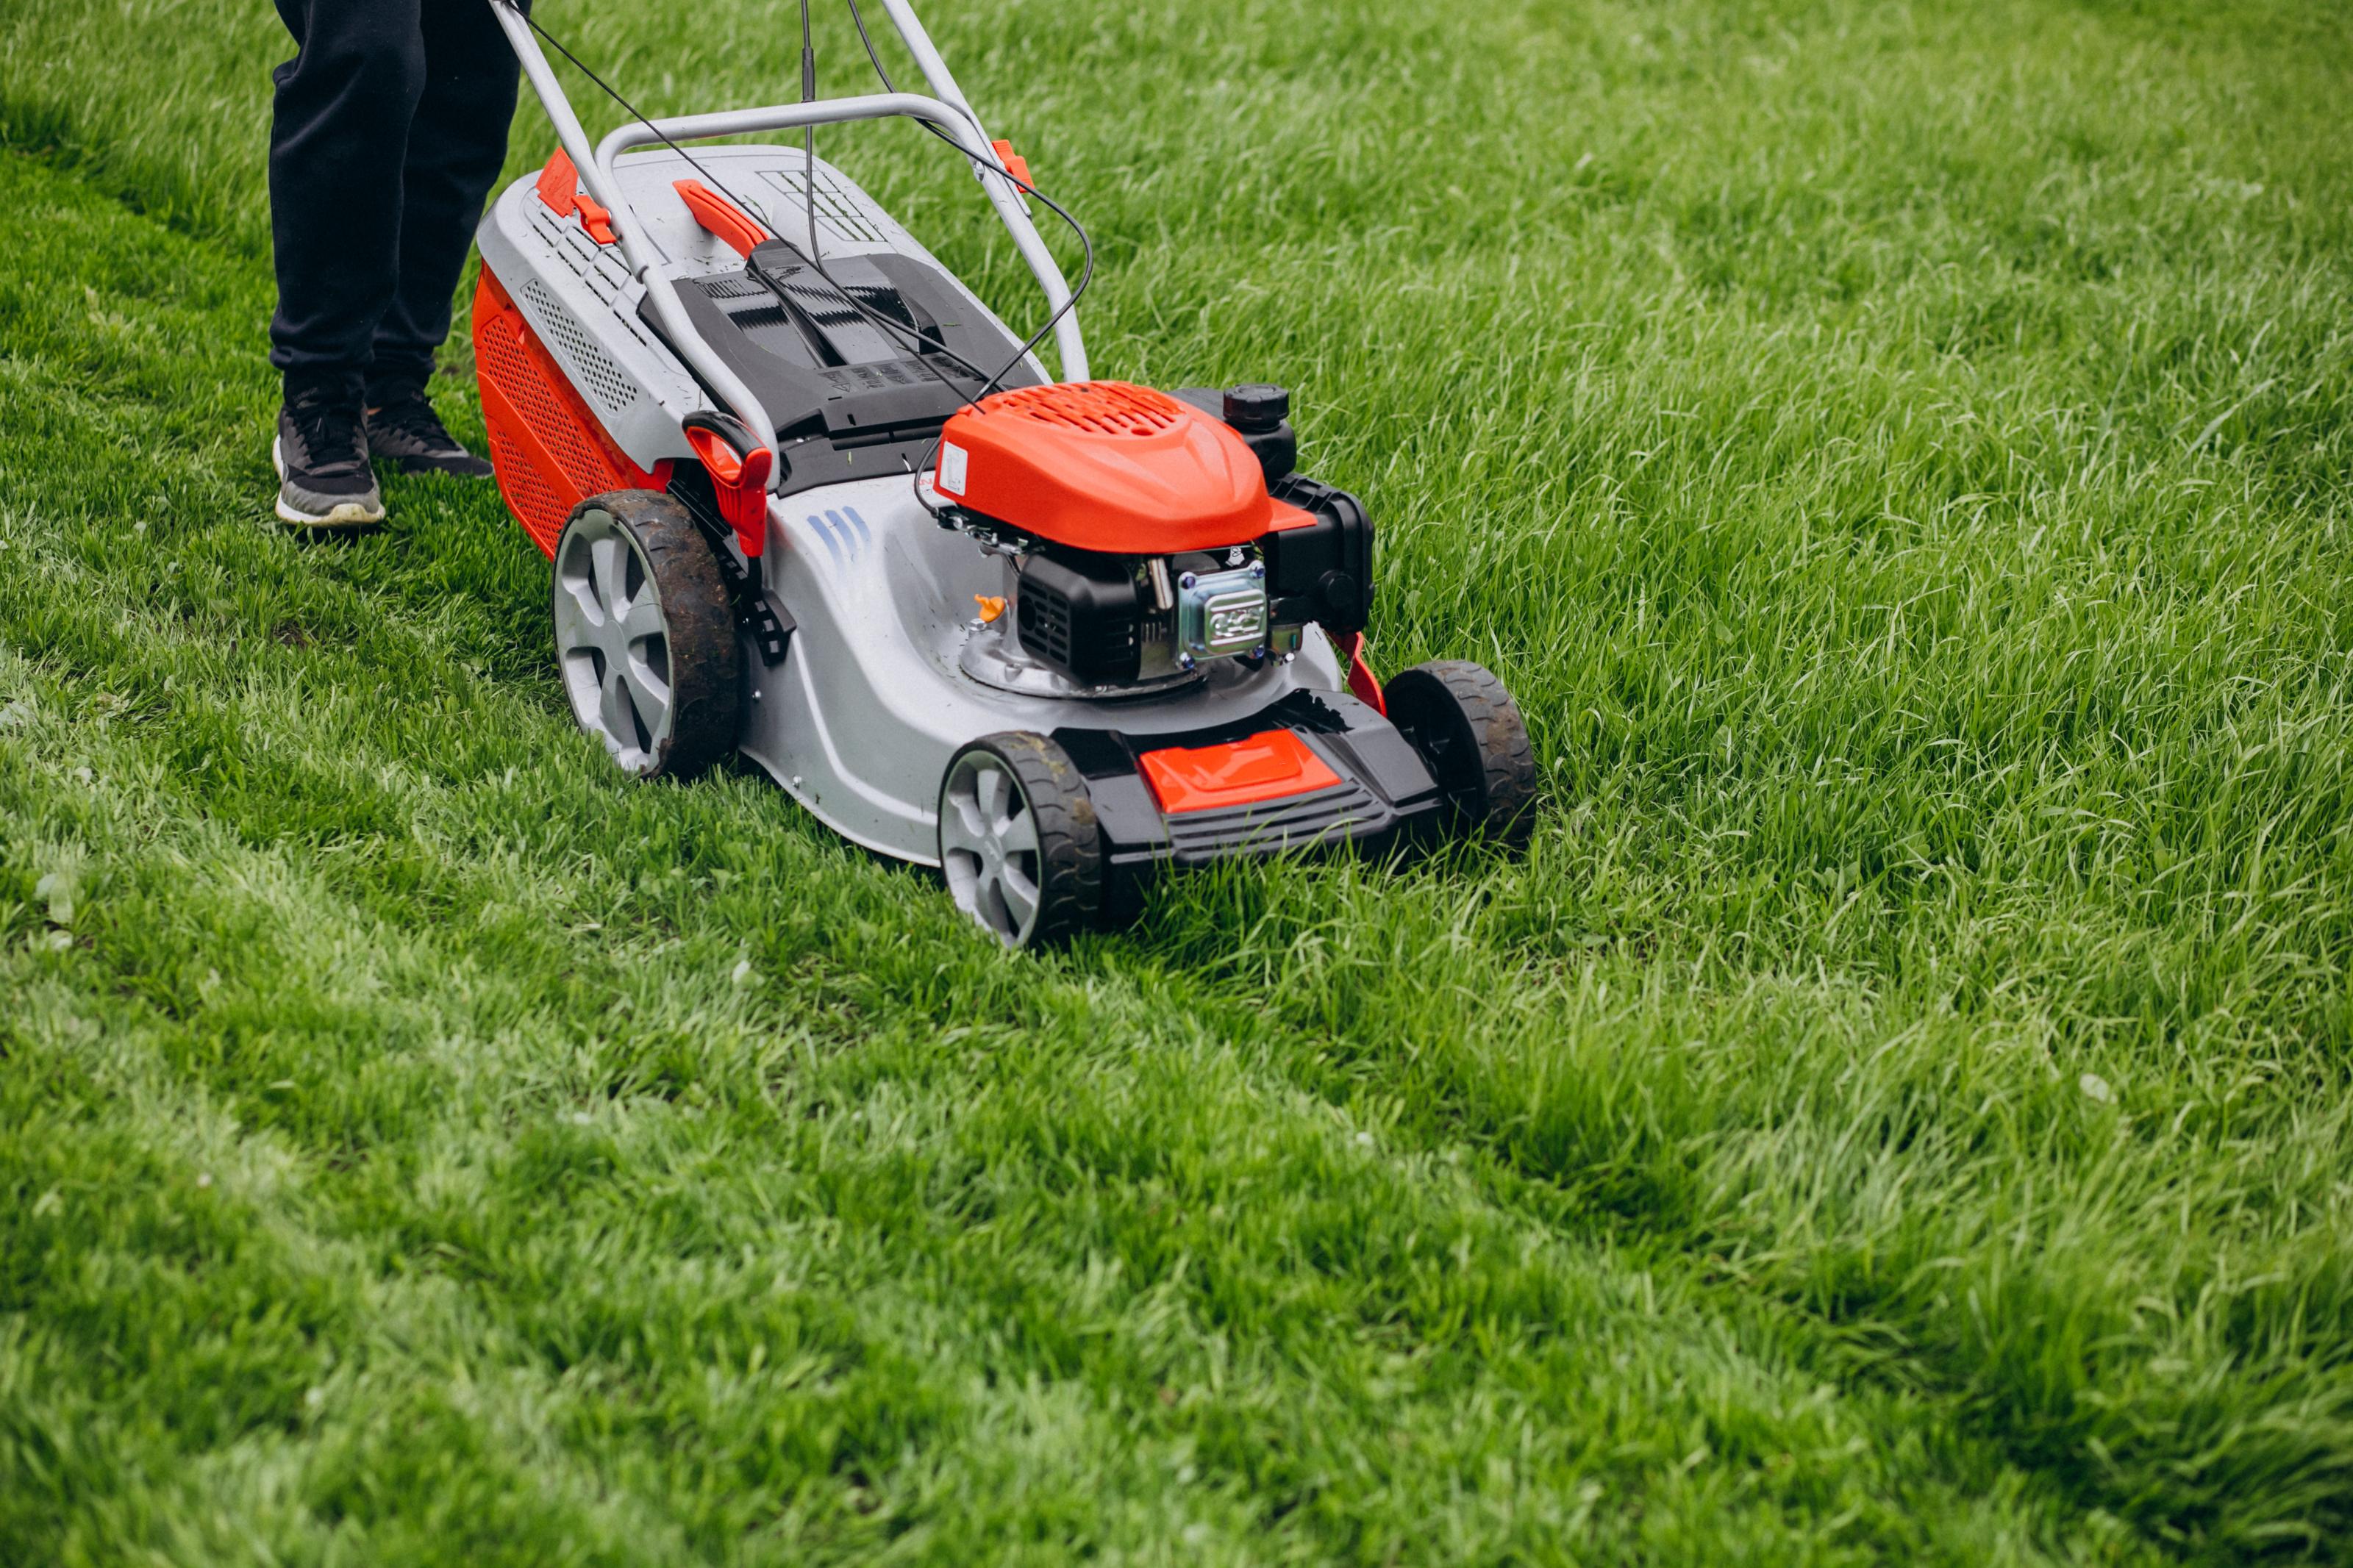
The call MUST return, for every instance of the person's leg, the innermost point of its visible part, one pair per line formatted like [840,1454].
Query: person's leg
[338,142]
[457,144]
[339,138]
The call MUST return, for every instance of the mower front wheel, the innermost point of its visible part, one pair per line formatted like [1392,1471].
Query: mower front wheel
[1470,736]
[1018,842]
[645,637]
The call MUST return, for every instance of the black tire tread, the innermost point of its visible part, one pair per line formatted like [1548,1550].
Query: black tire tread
[1070,840]
[706,664]
[1500,804]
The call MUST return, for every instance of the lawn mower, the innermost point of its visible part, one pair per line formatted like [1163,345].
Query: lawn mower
[809,502]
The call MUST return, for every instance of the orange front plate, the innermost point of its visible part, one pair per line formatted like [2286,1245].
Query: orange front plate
[1268,766]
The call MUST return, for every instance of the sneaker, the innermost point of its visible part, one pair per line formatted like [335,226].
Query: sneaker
[407,433]
[322,465]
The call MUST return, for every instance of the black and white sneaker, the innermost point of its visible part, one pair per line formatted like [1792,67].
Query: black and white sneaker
[404,431]
[322,465]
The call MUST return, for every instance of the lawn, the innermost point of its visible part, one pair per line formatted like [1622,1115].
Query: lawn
[1902,457]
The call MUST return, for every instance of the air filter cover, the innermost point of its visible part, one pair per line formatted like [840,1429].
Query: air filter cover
[1101,465]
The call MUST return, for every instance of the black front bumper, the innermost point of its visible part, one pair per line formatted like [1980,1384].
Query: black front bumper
[1384,794]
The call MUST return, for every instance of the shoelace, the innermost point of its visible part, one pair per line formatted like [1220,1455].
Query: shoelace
[410,414]
[330,432]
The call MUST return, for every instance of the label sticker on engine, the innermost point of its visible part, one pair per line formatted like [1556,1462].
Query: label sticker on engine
[954,461]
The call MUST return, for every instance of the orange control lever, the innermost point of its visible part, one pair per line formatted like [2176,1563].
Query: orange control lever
[723,217]
[738,479]
[559,187]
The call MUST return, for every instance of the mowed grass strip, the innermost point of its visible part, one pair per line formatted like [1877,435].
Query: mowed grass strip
[1898,457]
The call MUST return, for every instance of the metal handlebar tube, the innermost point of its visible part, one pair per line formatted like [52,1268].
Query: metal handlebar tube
[607,191]
[1069,346]
[942,83]
[949,111]
[927,60]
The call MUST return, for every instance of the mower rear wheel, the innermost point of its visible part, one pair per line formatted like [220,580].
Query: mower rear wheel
[645,637]
[1470,736]
[1018,842]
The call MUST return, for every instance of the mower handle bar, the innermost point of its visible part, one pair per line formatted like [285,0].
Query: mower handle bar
[948,110]
[955,124]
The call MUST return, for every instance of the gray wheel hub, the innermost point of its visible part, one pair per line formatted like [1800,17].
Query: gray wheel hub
[612,641]
[988,847]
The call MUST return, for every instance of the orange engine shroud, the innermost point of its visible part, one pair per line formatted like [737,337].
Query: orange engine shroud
[1101,465]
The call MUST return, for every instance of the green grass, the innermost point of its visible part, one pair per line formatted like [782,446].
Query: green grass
[1899,1110]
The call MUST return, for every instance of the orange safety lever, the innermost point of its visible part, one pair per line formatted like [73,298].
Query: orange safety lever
[1015,164]
[734,226]
[739,469]
[559,187]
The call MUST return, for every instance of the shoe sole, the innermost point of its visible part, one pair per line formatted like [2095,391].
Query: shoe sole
[346,517]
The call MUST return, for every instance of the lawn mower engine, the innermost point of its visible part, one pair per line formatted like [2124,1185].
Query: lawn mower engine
[1145,535]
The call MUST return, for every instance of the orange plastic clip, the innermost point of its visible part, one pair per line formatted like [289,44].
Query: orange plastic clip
[1015,164]
[595,219]
[559,187]
[739,480]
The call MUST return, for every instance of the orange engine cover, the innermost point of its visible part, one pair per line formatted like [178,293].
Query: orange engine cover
[1101,465]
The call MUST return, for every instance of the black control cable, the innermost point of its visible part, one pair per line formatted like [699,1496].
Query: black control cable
[1086,241]
[808,151]
[1085,276]
[900,328]
[816,257]
[924,347]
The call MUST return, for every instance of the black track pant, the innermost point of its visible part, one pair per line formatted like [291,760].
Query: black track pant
[389,128]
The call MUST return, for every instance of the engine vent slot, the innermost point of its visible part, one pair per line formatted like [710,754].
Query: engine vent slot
[1098,407]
